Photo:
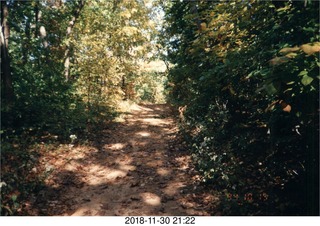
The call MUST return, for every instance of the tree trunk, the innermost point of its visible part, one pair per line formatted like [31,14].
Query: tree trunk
[6,77]
[194,11]
[36,14]
[124,87]
[40,31]
[68,33]
[26,42]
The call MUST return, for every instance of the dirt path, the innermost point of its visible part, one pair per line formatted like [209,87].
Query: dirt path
[136,168]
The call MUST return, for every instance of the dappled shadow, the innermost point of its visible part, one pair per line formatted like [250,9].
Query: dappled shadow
[135,168]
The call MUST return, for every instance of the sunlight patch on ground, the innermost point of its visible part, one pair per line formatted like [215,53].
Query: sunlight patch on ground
[143,134]
[115,174]
[106,176]
[101,174]
[163,171]
[124,160]
[156,122]
[167,130]
[120,119]
[136,107]
[137,144]
[115,146]
[97,168]
[155,163]
[124,106]
[89,209]
[71,166]
[173,188]
[182,161]
[78,153]
[127,167]
[151,199]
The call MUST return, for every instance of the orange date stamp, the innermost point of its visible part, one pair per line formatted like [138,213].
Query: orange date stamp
[247,197]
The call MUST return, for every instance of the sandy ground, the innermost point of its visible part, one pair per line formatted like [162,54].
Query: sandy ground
[137,167]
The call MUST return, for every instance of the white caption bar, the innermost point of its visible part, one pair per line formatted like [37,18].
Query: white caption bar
[157,220]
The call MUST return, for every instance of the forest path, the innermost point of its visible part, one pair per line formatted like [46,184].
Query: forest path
[136,168]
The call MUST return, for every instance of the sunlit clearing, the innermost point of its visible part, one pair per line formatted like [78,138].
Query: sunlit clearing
[151,199]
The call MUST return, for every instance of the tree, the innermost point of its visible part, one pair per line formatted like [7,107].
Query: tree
[109,41]
[6,76]
[72,22]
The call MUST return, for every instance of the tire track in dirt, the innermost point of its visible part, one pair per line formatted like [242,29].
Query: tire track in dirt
[136,168]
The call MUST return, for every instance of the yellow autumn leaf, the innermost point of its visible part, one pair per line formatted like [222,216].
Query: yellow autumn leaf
[222,28]
[211,34]
[203,26]
[134,10]
[129,30]
[311,48]
[278,60]
[291,55]
[125,14]
[238,42]
[289,50]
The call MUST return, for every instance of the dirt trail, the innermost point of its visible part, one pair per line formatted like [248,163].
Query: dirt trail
[136,168]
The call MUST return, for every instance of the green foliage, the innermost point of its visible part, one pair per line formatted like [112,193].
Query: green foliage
[20,182]
[111,43]
[149,87]
[246,73]
[71,62]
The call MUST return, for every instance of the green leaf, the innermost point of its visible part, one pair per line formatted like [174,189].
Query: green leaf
[306,80]
[14,198]
[287,90]
[302,73]
[269,88]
